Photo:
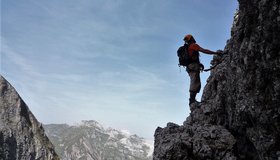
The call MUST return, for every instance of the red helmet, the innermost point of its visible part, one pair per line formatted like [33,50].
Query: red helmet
[187,37]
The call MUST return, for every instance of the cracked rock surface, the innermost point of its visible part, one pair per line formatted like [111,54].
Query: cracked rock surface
[21,135]
[239,117]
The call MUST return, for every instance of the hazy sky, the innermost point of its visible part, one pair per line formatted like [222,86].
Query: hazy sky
[113,61]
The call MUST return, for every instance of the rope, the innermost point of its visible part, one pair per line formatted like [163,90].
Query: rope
[214,66]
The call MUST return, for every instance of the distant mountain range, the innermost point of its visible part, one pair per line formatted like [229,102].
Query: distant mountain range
[91,141]
[23,137]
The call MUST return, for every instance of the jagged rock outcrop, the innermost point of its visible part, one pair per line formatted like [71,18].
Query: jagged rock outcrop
[91,141]
[21,135]
[239,117]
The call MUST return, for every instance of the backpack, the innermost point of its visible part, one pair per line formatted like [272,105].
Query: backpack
[184,58]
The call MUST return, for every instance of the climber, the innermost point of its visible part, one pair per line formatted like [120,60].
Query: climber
[195,66]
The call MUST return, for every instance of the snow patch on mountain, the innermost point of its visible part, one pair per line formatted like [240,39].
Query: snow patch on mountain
[90,140]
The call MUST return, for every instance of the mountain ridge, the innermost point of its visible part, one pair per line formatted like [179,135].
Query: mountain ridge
[93,141]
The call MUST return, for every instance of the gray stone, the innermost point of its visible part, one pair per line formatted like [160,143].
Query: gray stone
[239,117]
[21,135]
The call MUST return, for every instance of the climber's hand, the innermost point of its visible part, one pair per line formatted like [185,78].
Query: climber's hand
[219,52]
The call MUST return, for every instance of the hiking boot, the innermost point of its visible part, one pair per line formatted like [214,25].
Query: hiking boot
[192,98]
[191,101]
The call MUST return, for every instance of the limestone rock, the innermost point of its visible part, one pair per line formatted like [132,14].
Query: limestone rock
[21,135]
[193,142]
[241,100]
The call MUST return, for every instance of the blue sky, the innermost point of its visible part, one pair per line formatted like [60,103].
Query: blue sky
[113,61]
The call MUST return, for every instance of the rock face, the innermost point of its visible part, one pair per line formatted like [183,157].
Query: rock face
[239,117]
[90,141]
[21,135]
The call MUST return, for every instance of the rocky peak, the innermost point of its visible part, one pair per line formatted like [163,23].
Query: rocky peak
[239,117]
[21,135]
[90,123]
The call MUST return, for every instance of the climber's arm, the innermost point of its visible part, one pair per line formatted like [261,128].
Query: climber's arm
[207,51]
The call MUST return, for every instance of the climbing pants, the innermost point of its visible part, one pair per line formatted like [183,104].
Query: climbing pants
[194,71]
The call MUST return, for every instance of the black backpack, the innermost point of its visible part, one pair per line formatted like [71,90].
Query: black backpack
[184,58]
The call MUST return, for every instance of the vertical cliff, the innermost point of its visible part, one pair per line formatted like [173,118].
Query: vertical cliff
[239,117]
[21,135]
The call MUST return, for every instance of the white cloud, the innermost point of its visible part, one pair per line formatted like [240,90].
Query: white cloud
[16,59]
